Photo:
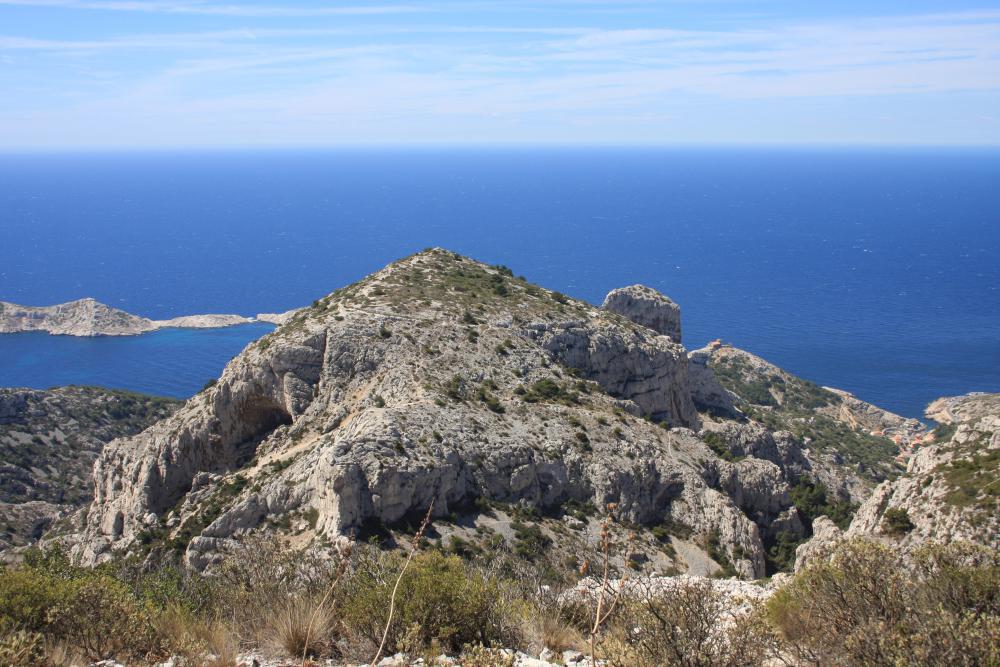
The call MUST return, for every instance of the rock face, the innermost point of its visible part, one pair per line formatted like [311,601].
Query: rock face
[87,317]
[441,379]
[950,489]
[826,536]
[48,443]
[644,305]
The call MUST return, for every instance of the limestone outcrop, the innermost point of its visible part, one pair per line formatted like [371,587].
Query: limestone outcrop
[84,317]
[951,488]
[644,305]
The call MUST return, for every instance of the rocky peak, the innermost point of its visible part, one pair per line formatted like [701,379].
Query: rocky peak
[437,378]
[647,307]
[444,379]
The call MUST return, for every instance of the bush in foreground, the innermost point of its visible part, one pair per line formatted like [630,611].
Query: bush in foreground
[870,605]
[441,601]
[689,626]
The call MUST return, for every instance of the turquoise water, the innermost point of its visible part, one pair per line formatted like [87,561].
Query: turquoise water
[874,271]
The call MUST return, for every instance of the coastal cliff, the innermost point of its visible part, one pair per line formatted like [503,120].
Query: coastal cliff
[88,317]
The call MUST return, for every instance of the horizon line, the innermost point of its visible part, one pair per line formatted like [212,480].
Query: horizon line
[495,146]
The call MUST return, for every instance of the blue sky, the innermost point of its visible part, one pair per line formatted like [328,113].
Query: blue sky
[189,73]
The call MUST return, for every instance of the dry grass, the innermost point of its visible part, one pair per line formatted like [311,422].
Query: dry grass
[59,654]
[193,637]
[300,627]
[546,628]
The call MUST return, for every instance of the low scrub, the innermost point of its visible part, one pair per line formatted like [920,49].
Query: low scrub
[91,610]
[689,626]
[868,605]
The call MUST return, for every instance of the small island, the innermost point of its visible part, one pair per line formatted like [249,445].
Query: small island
[89,317]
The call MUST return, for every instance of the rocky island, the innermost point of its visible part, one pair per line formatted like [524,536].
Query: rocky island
[88,317]
[537,429]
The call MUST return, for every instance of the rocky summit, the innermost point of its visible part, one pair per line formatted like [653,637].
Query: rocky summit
[514,411]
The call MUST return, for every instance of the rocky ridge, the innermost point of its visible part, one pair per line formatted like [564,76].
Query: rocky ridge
[88,317]
[443,379]
[949,492]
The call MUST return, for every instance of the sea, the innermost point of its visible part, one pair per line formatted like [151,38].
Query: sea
[873,270]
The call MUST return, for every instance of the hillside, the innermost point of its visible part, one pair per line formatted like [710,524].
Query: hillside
[520,412]
[48,443]
[951,489]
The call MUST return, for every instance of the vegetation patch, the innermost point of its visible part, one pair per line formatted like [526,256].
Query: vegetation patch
[548,390]
[896,521]
[972,478]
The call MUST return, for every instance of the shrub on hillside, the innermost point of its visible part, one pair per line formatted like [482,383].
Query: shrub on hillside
[88,609]
[868,605]
[896,521]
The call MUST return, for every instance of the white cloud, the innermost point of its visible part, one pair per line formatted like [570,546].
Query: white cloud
[352,84]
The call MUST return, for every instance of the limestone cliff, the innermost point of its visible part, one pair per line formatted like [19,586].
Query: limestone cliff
[644,305]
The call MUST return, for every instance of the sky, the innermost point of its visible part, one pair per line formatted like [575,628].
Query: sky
[226,73]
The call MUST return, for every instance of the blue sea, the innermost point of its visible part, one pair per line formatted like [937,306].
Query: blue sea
[877,271]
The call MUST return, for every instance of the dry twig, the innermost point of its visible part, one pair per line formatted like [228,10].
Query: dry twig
[392,599]
[601,614]
[345,556]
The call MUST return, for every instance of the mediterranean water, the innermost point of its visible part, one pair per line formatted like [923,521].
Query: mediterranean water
[876,271]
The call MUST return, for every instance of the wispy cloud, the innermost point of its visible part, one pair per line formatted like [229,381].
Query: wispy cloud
[357,80]
[205,8]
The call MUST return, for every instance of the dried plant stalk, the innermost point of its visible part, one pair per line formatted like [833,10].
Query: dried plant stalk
[392,598]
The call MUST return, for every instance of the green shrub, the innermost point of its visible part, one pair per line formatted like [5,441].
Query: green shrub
[548,390]
[529,540]
[944,432]
[27,596]
[90,610]
[440,599]
[896,521]
[105,620]
[691,625]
